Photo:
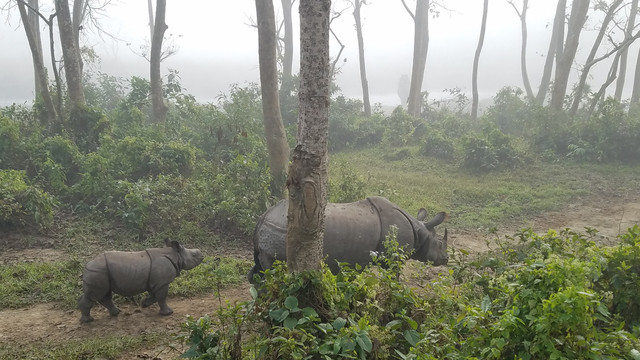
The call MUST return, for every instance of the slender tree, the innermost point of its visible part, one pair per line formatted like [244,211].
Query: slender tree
[622,72]
[420,49]
[635,93]
[476,60]
[307,181]
[33,37]
[557,36]
[564,59]
[357,5]
[287,54]
[523,46]
[158,107]
[277,144]
[70,54]
[591,58]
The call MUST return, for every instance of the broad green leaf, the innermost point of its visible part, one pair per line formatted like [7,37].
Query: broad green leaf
[279,315]
[309,312]
[339,323]
[290,323]
[394,324]
[412,337]
[364,342]
[254,292]
[291,303]
[485,305]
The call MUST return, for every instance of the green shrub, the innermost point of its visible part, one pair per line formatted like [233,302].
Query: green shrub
[24,205]
[346,186]
[400,127]
[490,150]
[622,277]
[438,145]
[11,151]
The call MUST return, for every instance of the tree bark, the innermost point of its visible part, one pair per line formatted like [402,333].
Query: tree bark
[79,12]
[564,60]
[420,48]
[476,60]
[523,47]
[277,144]
[70,54]
[42,82]
[158,107]
[555,44]
[34,24]
[307,182]
[622,72]
[577,96]
[363,71]
[635,93]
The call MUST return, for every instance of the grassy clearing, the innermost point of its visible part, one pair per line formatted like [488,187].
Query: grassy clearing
[481,200]
[61,282]
[96,348]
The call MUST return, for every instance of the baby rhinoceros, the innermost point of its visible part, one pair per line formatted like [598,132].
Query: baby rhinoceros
[132,273]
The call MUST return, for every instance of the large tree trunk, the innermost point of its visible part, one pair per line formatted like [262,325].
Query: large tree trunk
[577,96]
[277,144]
[33,37]
[307,182]
[363,71]
[158,107]
[622,72]
[635,93]
[420,48]
[555,44]
[523,47]
[564,60]
[70,54]
[79,12]
[476,60]
[34,24]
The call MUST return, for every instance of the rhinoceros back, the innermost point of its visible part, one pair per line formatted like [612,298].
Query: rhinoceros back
[128,271]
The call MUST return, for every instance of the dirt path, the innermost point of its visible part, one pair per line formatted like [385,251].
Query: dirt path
[44,322]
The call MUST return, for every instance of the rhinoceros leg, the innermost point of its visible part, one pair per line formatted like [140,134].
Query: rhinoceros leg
[149,300]
[161,295]
[85,306]
[107,302]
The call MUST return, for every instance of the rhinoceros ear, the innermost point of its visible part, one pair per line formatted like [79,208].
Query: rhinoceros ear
[422,214]
[172,243]
[437,220]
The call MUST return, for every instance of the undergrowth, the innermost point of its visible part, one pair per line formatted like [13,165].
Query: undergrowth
[537,296]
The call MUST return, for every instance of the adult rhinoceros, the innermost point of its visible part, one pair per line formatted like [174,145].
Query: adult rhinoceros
[352,232]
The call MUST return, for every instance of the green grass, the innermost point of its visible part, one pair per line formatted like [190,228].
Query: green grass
[93,348]
[481,200]
[60,282]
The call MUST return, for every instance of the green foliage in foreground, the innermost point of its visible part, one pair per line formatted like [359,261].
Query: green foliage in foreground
[98,348]
[61,282]
[551,296]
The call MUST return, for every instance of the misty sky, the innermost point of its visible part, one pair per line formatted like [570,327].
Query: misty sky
[217,47]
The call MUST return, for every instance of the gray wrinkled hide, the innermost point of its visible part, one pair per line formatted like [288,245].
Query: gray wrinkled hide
[132,273]
[352,231]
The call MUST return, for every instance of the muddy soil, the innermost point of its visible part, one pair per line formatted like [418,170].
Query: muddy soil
[611,216]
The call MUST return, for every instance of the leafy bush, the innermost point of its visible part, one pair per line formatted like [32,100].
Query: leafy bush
[22,204]
[490,150]
[346,186]
[10,149]
[400,127]
[438,145]
[348,128]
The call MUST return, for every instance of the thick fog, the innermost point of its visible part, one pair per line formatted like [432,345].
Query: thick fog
[217,47]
